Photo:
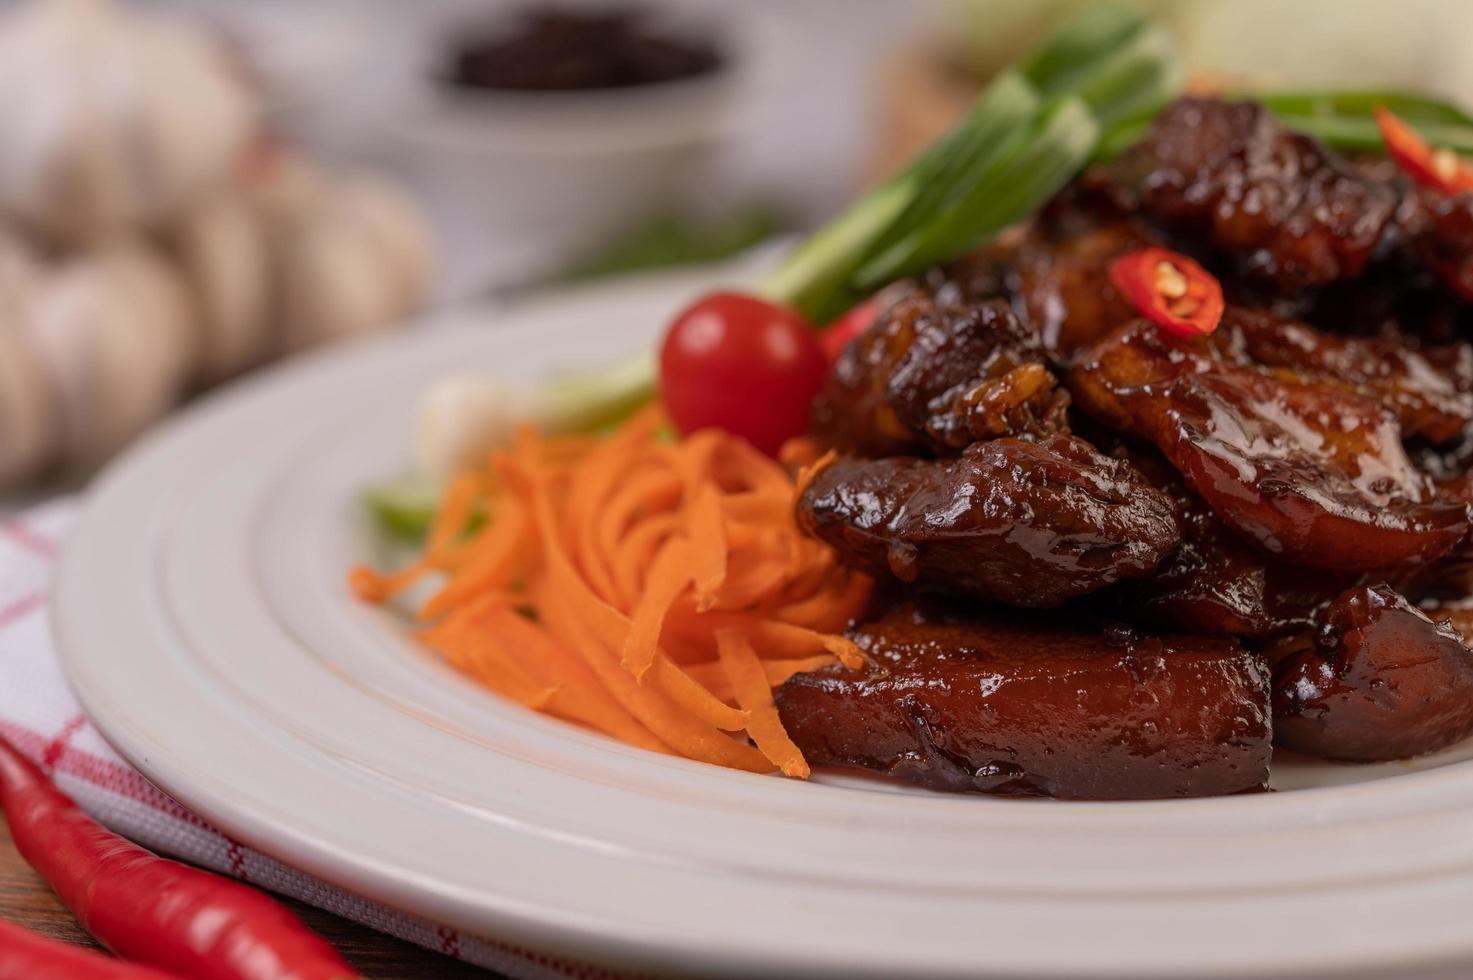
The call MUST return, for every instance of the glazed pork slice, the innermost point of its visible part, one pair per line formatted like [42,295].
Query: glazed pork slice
[1060,283]
[1029,524]
[998,705]
[933,378]
[1280,205]
[1380,679]
[1307,471]
[1429,389]
[1436,231]
[1216,582]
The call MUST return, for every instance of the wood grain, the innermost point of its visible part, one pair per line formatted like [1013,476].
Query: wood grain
[25,899]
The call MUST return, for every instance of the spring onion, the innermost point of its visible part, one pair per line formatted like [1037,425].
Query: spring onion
[1343,121]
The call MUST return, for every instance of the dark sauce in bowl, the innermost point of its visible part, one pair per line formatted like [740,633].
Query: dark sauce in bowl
[566,50]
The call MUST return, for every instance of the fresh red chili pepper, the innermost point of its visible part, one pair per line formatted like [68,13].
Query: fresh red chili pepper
[1170,290]
[147,908]
[1440,169]
[27,956]
[836,336]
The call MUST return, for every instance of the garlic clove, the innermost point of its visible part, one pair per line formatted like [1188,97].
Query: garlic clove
[27,428]
[220,247]
[392,220]
[351,258]
[115,331]
[462,418]
[333,285]
[112,118]
[29,434]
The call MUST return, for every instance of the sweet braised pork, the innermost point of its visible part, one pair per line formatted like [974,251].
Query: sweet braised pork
[1382,680]
[1008,705]
[1030,524]
[1428,387]
[1307,471]
[1215,581]
[934,378]
[1279,205]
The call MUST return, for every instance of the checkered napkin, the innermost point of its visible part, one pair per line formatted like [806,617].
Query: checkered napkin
[41,717]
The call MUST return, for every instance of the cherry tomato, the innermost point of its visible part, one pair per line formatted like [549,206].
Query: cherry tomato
[743,364]
[837,335]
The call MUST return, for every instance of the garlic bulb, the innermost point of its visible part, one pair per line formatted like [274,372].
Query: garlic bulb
[28,432]
[115,330]
[111,119]
[352,258]
[220,246]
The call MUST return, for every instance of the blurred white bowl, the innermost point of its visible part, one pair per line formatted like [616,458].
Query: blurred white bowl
[523,180]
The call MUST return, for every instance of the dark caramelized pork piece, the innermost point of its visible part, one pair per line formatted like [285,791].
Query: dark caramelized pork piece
[931,377]
[1024,707]
[1218,583]
[1281,205]
[1382,681]
[1430,390]
[1437,230]
[1031,524]
[1308,471]
[1061,284]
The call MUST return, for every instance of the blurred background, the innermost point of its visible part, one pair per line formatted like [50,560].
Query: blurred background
[190,189]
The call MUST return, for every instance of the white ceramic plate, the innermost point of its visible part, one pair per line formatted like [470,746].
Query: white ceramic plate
[203,618]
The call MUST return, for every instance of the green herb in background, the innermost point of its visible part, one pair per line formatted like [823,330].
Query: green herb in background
[668,240]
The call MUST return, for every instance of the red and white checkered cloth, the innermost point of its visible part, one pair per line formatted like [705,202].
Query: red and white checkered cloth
[41,717]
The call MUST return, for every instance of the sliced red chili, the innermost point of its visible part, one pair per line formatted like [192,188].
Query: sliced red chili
[1440,169]
[1170,290]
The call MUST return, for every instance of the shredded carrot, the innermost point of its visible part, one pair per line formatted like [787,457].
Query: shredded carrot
[754,693]
[372,586]
[457,506]
[669,576]
[798,453]
[714,678]
[708,541]
[655,593]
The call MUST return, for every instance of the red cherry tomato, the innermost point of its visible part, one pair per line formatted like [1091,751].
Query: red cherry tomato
[743,364]
[837,335]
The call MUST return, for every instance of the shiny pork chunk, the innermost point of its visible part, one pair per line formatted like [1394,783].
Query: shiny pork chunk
[1029,524]
[1001,704]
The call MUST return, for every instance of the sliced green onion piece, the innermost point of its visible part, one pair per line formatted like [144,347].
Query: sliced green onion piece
[1415,109]
[405,505]
[1141,74]
[1035,169]
[1360,135]
[1072,51]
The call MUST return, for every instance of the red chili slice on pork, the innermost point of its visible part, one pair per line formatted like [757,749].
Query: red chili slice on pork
[1170,290]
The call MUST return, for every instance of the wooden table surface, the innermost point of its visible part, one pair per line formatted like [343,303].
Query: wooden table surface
[25,899]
